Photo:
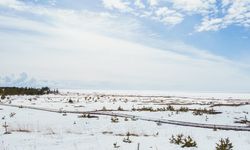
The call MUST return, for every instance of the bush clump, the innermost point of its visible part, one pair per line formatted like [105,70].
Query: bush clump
[87,116]
[127,139]
[224,144]
[104,108]
[120,108]
[143,109]
[3,96]
[204,111]
[170,108]
[183,141]
[176,139]
[184,109]
[114,119]
[189,142]
[26,91]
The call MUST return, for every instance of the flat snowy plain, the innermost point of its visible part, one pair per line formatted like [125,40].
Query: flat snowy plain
[59,123]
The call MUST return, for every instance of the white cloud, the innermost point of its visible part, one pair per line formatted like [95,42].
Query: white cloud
[93,58]
[139,4]
[153,3]
[235,12]
[52,2]
[195,6]
[14,4]
[168,17]
[211,25]
[74,45]
[117,4]
[215,15]
[152,11]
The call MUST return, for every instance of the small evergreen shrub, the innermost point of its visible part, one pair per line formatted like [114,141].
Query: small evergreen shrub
[224,144]
[70,101]
[120,108]
[104,108]
[114,120]
[127,140]
[183,141]
[87,116]
[170,108]
[115,145]
[184,109]
[189,142]
[3,97]
[177,139]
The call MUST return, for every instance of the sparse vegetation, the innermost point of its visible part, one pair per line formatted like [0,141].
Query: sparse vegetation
[189,142]
[115,145]
[224,144]
[143,109]
[12,114]
[3,96]
[134,118]
[215,128]
[114,119]
[158,123]
[127,139]
[204,111]
[181,109]
[104,108]
[243,121]
[170,108]
[87,116]
[25,91]
[6,128]
[107,132]
[183,141]
[120,108]
[176,139]
[71,101]
[184,109]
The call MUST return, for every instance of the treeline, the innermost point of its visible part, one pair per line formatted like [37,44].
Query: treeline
[26,91]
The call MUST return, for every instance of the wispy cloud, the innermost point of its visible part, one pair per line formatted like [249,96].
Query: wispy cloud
[102,49]
[202,7]
[117,4]
[149,9]
[139,4]
[234,12]
[215,15]
[167,16]
[153,3]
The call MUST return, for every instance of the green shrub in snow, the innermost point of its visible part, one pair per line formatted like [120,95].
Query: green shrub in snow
[224,144]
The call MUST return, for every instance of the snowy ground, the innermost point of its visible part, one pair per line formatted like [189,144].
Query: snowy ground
[35,129]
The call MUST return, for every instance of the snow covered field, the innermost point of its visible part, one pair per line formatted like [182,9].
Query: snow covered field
[33,129]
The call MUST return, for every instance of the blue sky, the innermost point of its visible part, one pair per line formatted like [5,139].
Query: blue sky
[181,45]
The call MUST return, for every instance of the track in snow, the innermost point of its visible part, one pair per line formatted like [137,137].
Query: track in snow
[163,121]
